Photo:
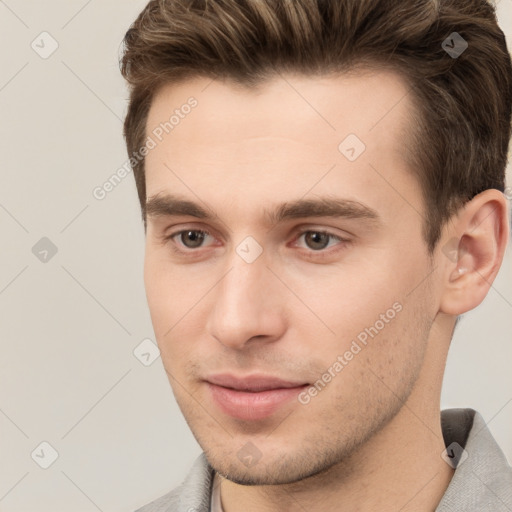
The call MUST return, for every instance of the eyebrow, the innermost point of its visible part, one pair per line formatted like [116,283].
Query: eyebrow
[169,205]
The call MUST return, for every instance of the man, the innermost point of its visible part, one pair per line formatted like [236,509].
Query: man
[321,185]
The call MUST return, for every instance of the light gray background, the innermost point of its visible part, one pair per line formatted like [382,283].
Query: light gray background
[69,326]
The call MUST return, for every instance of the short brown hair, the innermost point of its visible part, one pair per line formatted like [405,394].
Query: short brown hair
[460,129]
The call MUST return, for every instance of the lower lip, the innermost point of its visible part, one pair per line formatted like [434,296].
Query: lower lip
[244,405]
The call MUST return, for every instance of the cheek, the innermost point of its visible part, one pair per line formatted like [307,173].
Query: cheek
[371,310]
[156,286]
[380,373]
[352,297]
[173,297]
[165,300]
[166,286]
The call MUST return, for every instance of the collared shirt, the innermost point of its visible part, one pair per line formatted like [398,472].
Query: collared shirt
[481,482]
[216,504]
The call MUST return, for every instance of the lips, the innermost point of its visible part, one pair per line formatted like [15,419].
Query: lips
[252,397]
[252,383]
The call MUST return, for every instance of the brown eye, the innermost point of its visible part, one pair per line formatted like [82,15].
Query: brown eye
[192,238]
[317,240]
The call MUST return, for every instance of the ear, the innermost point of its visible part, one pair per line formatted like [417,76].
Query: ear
[471,251]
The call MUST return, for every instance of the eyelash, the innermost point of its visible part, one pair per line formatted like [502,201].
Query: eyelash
[317,253]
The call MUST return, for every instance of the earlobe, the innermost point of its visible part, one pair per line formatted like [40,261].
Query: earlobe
[477,240]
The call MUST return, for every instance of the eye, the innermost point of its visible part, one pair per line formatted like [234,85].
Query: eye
[318,240]
[187,240]
[190,238]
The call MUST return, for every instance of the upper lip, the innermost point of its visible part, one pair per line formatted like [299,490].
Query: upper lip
[252,382]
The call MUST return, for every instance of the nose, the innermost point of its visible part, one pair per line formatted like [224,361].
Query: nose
[248,305]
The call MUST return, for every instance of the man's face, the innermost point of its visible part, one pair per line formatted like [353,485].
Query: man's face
[244,293]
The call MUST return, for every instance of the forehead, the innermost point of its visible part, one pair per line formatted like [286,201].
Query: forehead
[289,136]
[356,101]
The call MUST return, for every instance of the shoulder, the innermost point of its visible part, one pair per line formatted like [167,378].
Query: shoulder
[193,494]
[482,480]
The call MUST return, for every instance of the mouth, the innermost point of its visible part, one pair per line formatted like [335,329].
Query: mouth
[252,397]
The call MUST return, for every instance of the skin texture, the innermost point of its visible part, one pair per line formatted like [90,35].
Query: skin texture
[371,439]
